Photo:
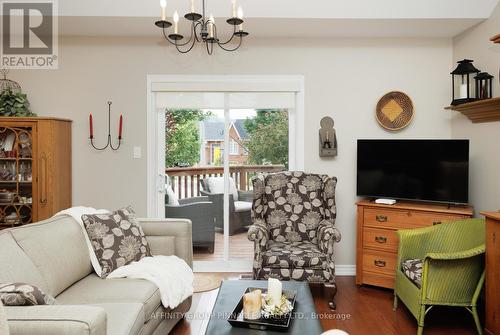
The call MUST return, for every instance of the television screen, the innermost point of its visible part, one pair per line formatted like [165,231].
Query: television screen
[422,170]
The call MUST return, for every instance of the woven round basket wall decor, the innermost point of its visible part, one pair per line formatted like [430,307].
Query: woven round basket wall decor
[394,111]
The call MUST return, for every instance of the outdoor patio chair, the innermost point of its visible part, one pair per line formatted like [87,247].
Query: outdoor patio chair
[201,212]
[240,204]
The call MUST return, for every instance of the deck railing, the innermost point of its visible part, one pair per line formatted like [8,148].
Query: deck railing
[186,181]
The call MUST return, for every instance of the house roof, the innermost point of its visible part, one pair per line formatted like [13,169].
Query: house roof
[214,129]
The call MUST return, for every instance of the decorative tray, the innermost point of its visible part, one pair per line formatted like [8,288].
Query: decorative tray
[279,324]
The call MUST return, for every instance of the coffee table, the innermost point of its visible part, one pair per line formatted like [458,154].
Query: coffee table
[231,292]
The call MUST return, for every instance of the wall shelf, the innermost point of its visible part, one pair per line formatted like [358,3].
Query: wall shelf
[487,110]
[495,39]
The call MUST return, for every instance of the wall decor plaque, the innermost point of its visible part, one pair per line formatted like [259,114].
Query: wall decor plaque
[394,111]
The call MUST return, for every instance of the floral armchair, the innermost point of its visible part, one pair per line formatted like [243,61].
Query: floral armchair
[293,215]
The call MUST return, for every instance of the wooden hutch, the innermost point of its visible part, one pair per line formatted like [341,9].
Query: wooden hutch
[35,168]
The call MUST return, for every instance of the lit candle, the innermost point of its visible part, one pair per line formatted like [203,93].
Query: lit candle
[274,291]
[176,22]
[91,126]
[211,22]
[120,127]
[240,16]
[192,6]
[234,8]
[463,91]
[163,5]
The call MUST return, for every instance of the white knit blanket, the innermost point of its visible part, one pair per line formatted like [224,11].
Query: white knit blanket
[171,274]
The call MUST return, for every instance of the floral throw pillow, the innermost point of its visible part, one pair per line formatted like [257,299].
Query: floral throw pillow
[22,294]
[117,239]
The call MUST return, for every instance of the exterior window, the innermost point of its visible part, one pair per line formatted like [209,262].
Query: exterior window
[233,147]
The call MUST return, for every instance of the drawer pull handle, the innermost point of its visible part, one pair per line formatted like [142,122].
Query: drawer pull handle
[381,218]
[381,239]
[436,223]
[379,263]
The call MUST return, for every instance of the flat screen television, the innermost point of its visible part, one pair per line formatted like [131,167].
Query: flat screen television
[420,170]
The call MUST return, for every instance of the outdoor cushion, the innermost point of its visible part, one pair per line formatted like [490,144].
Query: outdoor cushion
[216,186]
[242,206]
[412,268]
[123,318]
[173,200]
[94,290]
[293,255]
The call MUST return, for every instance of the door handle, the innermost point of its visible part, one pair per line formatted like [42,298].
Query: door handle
[381,218]
[381,239]
[379,263]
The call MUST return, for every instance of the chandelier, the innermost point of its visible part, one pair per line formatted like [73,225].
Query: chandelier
[202,30]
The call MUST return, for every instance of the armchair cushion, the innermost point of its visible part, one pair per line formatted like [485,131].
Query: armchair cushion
[412,268]
[293,255]
[295,206]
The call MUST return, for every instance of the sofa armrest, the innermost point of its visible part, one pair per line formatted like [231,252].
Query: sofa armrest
[56,320]
[178,229]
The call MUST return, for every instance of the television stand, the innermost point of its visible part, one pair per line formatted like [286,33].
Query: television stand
[377,244]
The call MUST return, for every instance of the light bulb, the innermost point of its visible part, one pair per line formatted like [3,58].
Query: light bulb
[176,22]
[163,5]
[234,7]
[211,21]
[240,12]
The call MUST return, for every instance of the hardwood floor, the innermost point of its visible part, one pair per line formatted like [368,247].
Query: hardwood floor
[360,310]
[239,248]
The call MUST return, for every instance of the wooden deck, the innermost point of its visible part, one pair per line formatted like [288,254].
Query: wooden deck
[239,248]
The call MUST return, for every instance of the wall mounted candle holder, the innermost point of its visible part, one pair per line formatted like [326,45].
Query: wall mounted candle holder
[327,138]
[109,143]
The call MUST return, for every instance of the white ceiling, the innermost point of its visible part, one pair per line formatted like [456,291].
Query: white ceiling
[285,18]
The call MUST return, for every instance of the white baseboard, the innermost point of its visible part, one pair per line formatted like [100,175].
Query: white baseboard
[345,270]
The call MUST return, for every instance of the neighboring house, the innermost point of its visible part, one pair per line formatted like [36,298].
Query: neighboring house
[212,142]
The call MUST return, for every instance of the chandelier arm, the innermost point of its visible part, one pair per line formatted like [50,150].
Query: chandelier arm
[166,37]
[210,48]
[235,48]
[187,50]
[194,29]
[229,40]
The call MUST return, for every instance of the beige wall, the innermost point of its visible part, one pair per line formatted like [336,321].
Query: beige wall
[484,137]
[343,79]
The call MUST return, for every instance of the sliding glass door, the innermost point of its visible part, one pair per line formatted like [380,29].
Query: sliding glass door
[213,144]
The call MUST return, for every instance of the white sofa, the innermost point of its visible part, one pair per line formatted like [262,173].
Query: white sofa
[52,255]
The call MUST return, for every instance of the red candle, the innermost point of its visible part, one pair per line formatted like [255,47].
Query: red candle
[91,126]
[121,127]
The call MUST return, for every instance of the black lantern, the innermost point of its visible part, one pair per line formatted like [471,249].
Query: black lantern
[484,85]
[462,88]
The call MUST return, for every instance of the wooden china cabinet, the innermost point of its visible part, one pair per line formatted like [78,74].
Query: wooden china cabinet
[35,169]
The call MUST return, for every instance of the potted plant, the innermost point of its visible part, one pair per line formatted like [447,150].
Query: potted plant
[14,104]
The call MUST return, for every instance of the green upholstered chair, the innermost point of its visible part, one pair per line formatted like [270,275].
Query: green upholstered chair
[446,266]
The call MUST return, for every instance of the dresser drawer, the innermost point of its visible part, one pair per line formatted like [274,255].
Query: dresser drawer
[379,262]
[401,219]
[381,239]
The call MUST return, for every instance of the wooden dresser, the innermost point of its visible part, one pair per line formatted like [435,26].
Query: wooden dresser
[377,243]
[492,272]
